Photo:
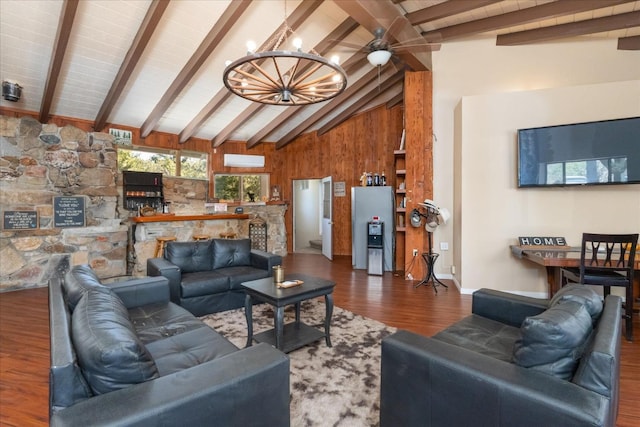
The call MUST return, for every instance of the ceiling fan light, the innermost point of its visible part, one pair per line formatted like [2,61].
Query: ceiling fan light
[379,57]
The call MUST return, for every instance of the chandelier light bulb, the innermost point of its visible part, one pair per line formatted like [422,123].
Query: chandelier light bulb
[337,78]
[251,46]
[335,59]
[297,43]
[227,62]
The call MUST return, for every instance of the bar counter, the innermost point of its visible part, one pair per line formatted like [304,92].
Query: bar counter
[173,217]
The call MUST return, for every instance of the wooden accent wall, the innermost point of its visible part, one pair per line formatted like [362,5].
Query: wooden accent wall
[363,143]
[418,105]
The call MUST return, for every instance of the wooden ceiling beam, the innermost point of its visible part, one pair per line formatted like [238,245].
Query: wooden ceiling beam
[572,29]
[445,9]
[629,43]
[519,17]
[370,13]
[297,17]
[395,100]
[329,107]
[146,30]
[353,108]
[217,33]
[67,16]
[324,46]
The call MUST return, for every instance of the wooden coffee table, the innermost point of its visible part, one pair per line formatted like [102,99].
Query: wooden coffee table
[295,334]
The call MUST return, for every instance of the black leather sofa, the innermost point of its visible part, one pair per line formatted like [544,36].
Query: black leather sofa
[515,361]
[123,354]
[205,276]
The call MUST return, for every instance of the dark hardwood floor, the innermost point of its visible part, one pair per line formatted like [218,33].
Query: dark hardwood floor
[24,332]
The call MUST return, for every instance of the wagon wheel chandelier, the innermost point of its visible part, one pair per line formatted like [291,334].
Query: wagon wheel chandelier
[283,77]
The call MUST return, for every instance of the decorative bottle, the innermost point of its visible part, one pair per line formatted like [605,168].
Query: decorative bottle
[383,179]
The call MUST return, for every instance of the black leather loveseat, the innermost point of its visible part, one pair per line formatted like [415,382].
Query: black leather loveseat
[205,276]
[516,361]
[123,354]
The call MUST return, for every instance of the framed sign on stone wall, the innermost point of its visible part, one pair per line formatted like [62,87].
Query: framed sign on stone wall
[69,211]
[19,220]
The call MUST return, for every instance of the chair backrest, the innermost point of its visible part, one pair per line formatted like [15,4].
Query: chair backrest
[608,253]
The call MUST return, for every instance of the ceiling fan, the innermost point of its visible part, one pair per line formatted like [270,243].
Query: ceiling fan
[380,50]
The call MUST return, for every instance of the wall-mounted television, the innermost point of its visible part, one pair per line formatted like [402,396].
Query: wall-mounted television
[593,153]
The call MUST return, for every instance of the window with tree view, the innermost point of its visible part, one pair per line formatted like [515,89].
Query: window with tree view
[241,187]
[168,162]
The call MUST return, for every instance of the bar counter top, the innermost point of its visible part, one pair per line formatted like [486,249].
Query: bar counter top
[173,217]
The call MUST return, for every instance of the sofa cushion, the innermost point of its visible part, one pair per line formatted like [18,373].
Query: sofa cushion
[203,283]
[109,352]
[189,349]
[231,252]
[78,281]
[482,335]
[240,274]
[190,256]
[580,294]
[155,322]
[553,341]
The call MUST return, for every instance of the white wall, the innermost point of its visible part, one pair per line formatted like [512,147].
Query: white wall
[306,212]
[504,90]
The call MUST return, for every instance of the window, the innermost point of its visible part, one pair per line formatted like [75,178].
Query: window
[168,162]
[241,187]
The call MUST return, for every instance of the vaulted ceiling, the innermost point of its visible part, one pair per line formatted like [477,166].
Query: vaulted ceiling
[157,65]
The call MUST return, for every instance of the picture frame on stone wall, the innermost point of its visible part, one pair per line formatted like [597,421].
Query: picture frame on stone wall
[121,136]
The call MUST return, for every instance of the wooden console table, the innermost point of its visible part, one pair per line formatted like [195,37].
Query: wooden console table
[554,260]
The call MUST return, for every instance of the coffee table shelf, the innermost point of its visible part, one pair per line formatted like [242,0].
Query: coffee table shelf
[294,336]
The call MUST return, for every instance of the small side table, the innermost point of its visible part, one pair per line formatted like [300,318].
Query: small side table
[430,276]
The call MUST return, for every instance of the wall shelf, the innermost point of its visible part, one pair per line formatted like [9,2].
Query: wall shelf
[400,199]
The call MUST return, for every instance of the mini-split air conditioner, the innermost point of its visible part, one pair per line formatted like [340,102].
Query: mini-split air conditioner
[243,161]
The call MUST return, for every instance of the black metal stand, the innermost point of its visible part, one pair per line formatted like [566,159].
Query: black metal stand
[430,261]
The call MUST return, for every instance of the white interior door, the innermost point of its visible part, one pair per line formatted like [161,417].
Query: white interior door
[327,217]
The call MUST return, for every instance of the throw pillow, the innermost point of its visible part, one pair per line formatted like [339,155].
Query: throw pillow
[581,294]
[553,341]
[109,352]
[77,282]
[231,252]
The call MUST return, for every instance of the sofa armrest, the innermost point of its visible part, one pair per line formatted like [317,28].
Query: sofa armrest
[164,268]
[141,291]
[249,387]
[505,307]
[265,260]
[426,382]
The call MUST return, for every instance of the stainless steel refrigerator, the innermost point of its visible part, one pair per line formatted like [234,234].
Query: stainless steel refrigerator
[367,202]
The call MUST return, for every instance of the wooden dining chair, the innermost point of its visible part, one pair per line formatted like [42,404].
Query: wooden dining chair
[607,260]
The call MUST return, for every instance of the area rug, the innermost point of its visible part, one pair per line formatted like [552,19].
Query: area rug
[330,386]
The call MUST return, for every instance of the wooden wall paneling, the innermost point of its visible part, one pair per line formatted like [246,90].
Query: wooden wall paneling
[363,143]
[419,158]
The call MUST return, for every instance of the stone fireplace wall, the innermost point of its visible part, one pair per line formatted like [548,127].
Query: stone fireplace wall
[37,163]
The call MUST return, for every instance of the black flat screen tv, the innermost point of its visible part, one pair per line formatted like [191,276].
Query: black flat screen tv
[593,153]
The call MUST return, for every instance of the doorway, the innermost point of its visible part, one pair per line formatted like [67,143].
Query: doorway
[307,216]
